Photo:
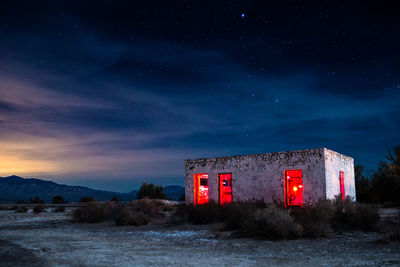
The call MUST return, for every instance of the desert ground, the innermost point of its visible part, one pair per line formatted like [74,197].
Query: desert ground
[50,239]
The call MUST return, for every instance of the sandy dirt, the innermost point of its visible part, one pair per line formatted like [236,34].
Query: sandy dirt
[49,239]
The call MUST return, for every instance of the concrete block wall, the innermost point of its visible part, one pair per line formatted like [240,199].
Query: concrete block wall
[334,163]
[261,176]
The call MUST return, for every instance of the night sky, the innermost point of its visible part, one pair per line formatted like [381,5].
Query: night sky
[108,94]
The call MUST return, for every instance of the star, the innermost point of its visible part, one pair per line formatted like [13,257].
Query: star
[243,15]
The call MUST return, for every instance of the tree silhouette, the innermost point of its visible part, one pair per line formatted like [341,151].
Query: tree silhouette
[386,180]
[151,191]
[363,185]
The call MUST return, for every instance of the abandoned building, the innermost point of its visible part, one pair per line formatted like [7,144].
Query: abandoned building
[292,178]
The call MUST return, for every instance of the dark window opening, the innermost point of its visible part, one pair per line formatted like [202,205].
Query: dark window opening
[203,181]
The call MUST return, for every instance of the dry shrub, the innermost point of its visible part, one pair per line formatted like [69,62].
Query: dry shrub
[203,214]
[38,209]
[271,222]
[149,207]
[20,209]
[180,215]
[86,199]
[394,232]
[315,220]
[352,215]
[92,212]
[235,214]
[58,200]
[138,212]
[36,200]
[168,208]
[366,218]
[59,209]
[131,217]
[199,214]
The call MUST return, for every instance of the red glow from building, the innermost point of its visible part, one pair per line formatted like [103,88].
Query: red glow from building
[342,193]
[200,188]
[294,187]
[225,188]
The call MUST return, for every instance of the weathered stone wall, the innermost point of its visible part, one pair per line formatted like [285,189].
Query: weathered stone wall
[261,176]
[334,163]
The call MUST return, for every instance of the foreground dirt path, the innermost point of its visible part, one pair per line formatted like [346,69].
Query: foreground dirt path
[49,239]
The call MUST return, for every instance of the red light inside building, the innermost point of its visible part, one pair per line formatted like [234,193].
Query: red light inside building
[342,192]
[225,188]
[294,187]
[200,188]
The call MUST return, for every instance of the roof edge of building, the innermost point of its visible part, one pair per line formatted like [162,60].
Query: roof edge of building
[263,154]
[341,154]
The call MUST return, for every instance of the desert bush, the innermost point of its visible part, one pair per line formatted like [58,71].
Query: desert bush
[271,222]
[131,217]
[235,214]
[168,207]
[86,199]
[58,200]
[114,199]
[394,231]
[315,220]
[138,212]
[179,216]
[20,209]
[38,209]
[59,209]
[36,200]
[366,218]
[114,209]
[352,215]
[203,214]
[91,212]
[149,207]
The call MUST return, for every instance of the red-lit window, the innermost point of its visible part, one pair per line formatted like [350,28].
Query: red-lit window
[341,177]
[294,187]
[200,188]
[225,188]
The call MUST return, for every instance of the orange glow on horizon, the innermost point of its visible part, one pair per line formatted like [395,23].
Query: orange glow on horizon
[12,165]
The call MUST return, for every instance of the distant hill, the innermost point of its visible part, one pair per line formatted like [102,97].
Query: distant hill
[15,188]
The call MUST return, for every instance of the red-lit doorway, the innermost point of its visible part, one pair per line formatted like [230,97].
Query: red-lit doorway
[294,187]
[225,188]
[200,188]
[341,177]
